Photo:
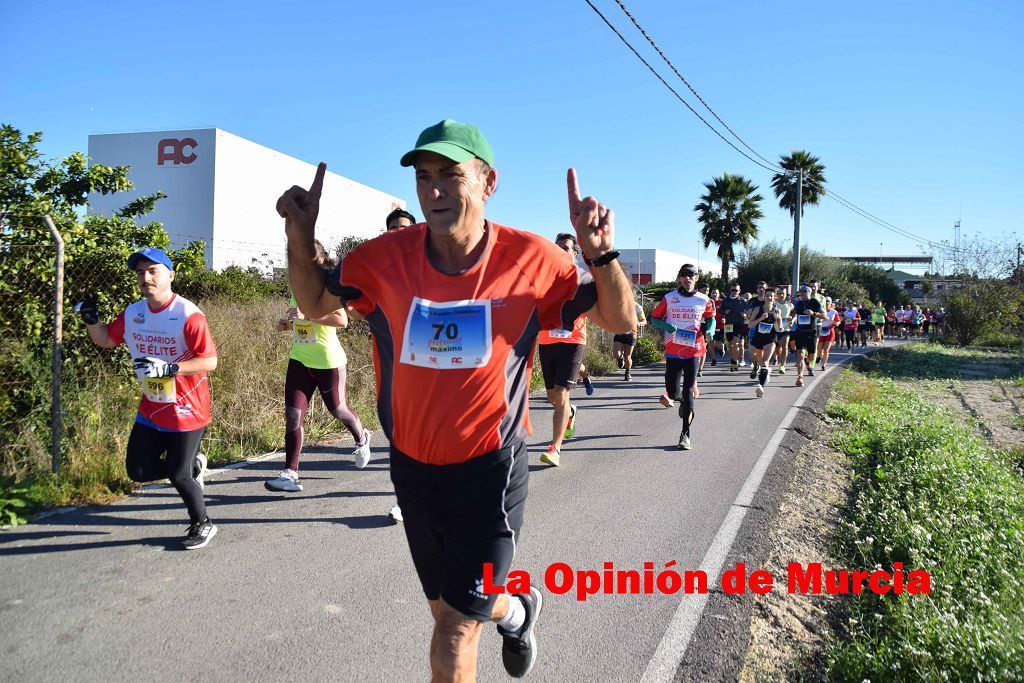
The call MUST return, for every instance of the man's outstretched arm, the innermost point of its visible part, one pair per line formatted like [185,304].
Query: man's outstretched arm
[300,207]
[615,309]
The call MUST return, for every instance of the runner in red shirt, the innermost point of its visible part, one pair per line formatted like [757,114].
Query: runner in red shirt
[685,315]
[172,350]
[455,306]
[561,358]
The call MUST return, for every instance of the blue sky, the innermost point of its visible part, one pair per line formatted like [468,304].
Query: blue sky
[914,107]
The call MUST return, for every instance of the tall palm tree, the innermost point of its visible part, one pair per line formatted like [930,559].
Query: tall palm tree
[784,184]
[729,212]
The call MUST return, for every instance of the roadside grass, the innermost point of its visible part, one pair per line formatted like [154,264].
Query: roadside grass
[931,493]
[923,360]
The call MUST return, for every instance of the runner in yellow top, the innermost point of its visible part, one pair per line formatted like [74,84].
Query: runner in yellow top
[317,361]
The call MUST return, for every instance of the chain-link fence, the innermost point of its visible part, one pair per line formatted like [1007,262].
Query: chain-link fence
[82,429]
[45,349]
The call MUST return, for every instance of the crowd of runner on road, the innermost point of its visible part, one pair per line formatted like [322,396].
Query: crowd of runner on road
[456,305]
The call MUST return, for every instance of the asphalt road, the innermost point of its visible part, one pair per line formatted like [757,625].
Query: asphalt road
[318,585]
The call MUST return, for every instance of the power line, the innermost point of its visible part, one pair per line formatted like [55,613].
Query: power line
[707,106]
[673,91]
[864,213]
[774,168]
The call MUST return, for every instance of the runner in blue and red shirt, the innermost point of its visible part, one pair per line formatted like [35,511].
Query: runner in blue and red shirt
[685,315]
[172,350]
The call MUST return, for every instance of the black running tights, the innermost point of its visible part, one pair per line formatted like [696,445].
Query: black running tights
[299,385]
[145,462]
[685,369]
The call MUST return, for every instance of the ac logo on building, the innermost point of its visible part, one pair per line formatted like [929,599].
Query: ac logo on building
[173,150]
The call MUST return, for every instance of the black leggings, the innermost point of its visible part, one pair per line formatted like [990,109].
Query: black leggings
[851,337]
[144,463]
[299,385]
[685,368]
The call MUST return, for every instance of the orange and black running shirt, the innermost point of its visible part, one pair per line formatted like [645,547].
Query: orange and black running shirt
[453,353]
[576,335]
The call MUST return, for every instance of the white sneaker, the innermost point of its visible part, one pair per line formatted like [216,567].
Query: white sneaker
[201,462]
[288,481]
[395,514]
[759,391]
[362,453]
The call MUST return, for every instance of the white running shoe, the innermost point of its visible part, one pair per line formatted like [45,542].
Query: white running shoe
[362,453]
[201,464]
[759,391]
[395,514]
[288,481]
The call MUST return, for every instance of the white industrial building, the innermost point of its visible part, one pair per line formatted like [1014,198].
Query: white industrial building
[222,189]
[657,265]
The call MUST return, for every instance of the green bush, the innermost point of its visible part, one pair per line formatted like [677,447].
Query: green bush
[647,352]
[14,502]
[930,493]
[599,362]
[242,285]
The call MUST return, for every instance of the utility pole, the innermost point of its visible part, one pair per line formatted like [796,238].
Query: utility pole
[796,228]
[639,263]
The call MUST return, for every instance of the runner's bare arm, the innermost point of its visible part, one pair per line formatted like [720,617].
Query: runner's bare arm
[100,337]
[299,208]
[337,319]
[197,366]
[615,309]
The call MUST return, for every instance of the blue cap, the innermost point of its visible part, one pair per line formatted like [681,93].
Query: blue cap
[152,254]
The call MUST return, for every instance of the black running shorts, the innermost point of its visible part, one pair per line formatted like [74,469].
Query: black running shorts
[460,516]
[808,341]
[628,339]
[738,330]
[762,340]
[560,364]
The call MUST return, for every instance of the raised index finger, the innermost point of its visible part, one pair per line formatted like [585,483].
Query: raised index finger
[574,188]
[318,180]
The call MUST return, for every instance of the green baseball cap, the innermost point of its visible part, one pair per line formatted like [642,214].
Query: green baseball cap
[457,141]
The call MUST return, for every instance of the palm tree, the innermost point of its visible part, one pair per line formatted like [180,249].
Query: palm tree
[729,212]
[784,184]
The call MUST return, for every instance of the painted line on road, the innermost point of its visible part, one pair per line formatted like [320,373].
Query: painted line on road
[673,645]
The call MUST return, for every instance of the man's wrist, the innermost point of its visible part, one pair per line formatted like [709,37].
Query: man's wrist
[173,369]
[601,260]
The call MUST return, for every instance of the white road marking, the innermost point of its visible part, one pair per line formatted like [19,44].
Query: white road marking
[674,643]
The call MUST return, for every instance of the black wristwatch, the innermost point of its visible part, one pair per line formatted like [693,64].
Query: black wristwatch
[602,260]
[172,370]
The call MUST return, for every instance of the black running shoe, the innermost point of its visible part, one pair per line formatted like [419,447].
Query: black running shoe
[198,535]
[519,650]
[627,376]
[621,362]
[810,371]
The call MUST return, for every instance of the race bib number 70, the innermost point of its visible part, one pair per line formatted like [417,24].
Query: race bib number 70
[447,335]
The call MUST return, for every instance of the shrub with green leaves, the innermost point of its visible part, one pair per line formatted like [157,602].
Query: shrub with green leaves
[14,502]
[928,492]
[647,352]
